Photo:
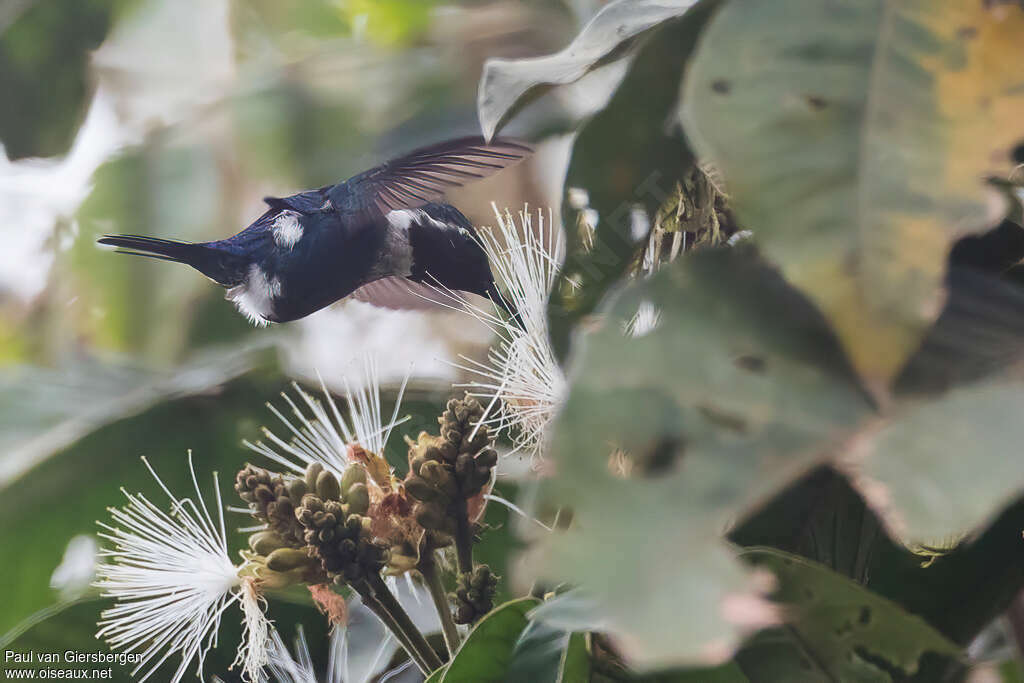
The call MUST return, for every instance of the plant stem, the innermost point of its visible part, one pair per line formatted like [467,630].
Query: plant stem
[389,622]
[463,538]
[428,568]
[404,624]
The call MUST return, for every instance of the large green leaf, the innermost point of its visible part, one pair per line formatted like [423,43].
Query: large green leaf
[608,37]
[64,496]
[855,137]
[45,410]
[547,653]
[837,630]
[823,519]
[575,664]
[736,392]
[943,467]
[486,653]
[628,161]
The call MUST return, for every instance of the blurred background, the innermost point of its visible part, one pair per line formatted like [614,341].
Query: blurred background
[173,118]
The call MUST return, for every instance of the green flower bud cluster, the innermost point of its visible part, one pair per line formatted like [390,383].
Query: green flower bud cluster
[278,566]
[474,594]
[449,469]
[272,499]
[336,528]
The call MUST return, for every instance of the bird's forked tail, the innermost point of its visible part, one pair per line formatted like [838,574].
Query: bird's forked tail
[213,262]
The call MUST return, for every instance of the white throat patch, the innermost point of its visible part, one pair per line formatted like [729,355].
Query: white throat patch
[287,229]
[254,298]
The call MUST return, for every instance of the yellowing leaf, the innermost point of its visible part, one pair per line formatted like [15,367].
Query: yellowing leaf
[855,138]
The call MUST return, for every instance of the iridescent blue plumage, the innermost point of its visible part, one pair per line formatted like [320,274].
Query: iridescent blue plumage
[375,236]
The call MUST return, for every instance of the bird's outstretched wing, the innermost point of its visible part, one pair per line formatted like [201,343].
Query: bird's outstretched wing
[424,175]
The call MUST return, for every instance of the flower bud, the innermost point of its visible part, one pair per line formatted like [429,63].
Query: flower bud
[353,474]
[285,559]
[358,499]
[488,457]
[418,488]
[297,489]
[274,580]
[429,516]
[265,542]
[327,486]
[312,473]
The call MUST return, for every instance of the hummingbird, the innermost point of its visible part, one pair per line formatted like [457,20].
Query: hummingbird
[382,236]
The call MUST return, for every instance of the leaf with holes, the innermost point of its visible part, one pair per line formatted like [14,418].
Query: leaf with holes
[838,629]
[855,137]
[666,438]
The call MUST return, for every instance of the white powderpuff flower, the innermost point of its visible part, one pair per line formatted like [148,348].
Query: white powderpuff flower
[172,580]
[643,322]
[521,369]
[321,434]
[360,650]
[285,668]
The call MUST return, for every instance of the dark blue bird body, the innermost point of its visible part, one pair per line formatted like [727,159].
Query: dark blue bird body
[379,236]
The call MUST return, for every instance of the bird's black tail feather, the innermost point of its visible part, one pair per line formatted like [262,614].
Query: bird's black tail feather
[212,262]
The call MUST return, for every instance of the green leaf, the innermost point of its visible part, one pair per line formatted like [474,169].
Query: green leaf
[942,468]
[855,137]
[43,411]
[65,495]
[729,672]
[538,654]
[608,37]
[736,392]
[487,651]
[627,160]
[576,666]
[545,652]
[840,629]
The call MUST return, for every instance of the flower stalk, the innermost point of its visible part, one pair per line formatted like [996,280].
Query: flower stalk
[432,577]
[379,598]
[463,538]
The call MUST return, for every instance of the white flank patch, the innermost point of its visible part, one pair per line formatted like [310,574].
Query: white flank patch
[396,257]
[254,298]
[401,219]
[287,229]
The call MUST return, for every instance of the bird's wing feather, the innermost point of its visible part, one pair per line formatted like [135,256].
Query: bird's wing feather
[399,293]
[424,175]
[303,202]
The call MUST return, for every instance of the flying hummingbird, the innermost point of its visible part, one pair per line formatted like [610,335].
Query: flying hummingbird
[379,236]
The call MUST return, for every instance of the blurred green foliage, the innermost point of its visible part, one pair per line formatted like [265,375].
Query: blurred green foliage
[725,412]
[44,55]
